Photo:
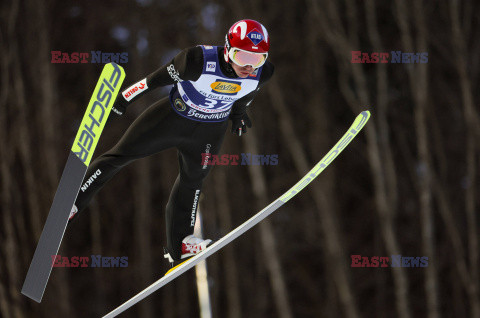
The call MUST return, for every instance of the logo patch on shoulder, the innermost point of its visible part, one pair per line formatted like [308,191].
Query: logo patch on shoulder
[211,66]
[225,87]
[174,73]
[255,36]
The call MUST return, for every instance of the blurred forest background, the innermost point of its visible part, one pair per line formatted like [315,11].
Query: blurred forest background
[408,184]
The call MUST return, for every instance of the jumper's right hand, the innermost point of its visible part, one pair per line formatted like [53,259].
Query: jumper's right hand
[240,124]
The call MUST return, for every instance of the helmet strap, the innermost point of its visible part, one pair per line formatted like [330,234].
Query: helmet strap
[227,49]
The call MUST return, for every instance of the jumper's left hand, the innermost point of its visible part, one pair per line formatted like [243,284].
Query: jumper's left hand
[240,124]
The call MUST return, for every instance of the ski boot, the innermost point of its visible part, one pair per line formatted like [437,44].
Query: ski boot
[191,246]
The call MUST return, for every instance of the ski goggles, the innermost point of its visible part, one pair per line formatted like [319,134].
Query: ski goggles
[244,58]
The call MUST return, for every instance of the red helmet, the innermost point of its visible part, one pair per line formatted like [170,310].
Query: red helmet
[247,35]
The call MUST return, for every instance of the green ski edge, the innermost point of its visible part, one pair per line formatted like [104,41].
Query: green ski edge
[357,125]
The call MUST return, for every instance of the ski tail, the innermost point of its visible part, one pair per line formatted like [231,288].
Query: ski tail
[357,125]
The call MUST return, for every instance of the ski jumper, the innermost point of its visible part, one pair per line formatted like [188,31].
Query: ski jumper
[193,119]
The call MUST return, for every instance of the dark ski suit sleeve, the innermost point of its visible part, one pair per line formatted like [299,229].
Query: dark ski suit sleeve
[240,106]
[186,65]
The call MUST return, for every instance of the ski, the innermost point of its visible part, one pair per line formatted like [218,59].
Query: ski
[78,160]
[178,270]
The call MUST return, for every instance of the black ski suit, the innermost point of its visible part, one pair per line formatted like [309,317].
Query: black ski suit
[158,128]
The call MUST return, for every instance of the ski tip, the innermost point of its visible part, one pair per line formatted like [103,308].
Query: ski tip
[366,112]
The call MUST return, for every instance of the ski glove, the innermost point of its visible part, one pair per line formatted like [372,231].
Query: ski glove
[240,124]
